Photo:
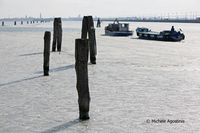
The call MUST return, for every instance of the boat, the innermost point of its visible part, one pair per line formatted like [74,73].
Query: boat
[118,29]
[166,35]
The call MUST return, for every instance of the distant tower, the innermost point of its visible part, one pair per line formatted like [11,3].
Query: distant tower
[40,15]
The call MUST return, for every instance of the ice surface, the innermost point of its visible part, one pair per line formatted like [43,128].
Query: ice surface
[134,80]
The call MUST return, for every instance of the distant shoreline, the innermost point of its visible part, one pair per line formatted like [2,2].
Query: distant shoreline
[168,21]
[109,19]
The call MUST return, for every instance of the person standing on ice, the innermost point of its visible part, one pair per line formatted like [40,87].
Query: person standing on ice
[98,22]
[172,29]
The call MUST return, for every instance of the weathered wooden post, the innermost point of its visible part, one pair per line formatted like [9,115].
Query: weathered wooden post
[84,31]
[92,44]
[47,40]
[92,40]
[89,30]
[15,23]
[54,35]
[81,66]
[2,23]
[57,34]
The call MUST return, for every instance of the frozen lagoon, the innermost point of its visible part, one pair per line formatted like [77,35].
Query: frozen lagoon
[134,81]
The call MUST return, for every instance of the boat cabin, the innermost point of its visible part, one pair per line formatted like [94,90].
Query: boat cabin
[118,27]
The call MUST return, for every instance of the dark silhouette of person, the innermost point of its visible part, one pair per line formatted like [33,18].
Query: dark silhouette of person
[98,22]
[172,29]
[116,21]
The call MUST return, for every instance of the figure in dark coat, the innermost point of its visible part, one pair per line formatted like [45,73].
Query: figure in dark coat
[172,29]
[98,22]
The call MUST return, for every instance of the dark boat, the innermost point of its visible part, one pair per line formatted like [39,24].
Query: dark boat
[118,29]
[166,35]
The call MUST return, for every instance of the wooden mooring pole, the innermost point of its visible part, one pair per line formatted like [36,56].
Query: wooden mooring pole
[47,40]
[2,23]
[84,31]
[92,40]
[15,23]
[57,35]
[88,30]
[81,66]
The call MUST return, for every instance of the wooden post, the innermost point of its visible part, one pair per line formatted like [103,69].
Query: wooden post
[57,35]
[27,22]
[92,44]
[15,23]
[84,31]
[92,40]
[21,22]
[54,35]
[81,56]
[47,40]
[89,30]
[2,23]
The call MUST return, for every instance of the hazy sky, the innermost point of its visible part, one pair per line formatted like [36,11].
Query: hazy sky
[102,8]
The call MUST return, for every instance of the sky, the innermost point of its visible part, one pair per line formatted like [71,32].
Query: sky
[100,8]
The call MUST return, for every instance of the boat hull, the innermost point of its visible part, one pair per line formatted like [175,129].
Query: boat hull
[161,37]
[172,38]
[167,35]
[118,33]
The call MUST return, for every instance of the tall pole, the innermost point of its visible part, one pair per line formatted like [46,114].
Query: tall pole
[81,66]
[47,40]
